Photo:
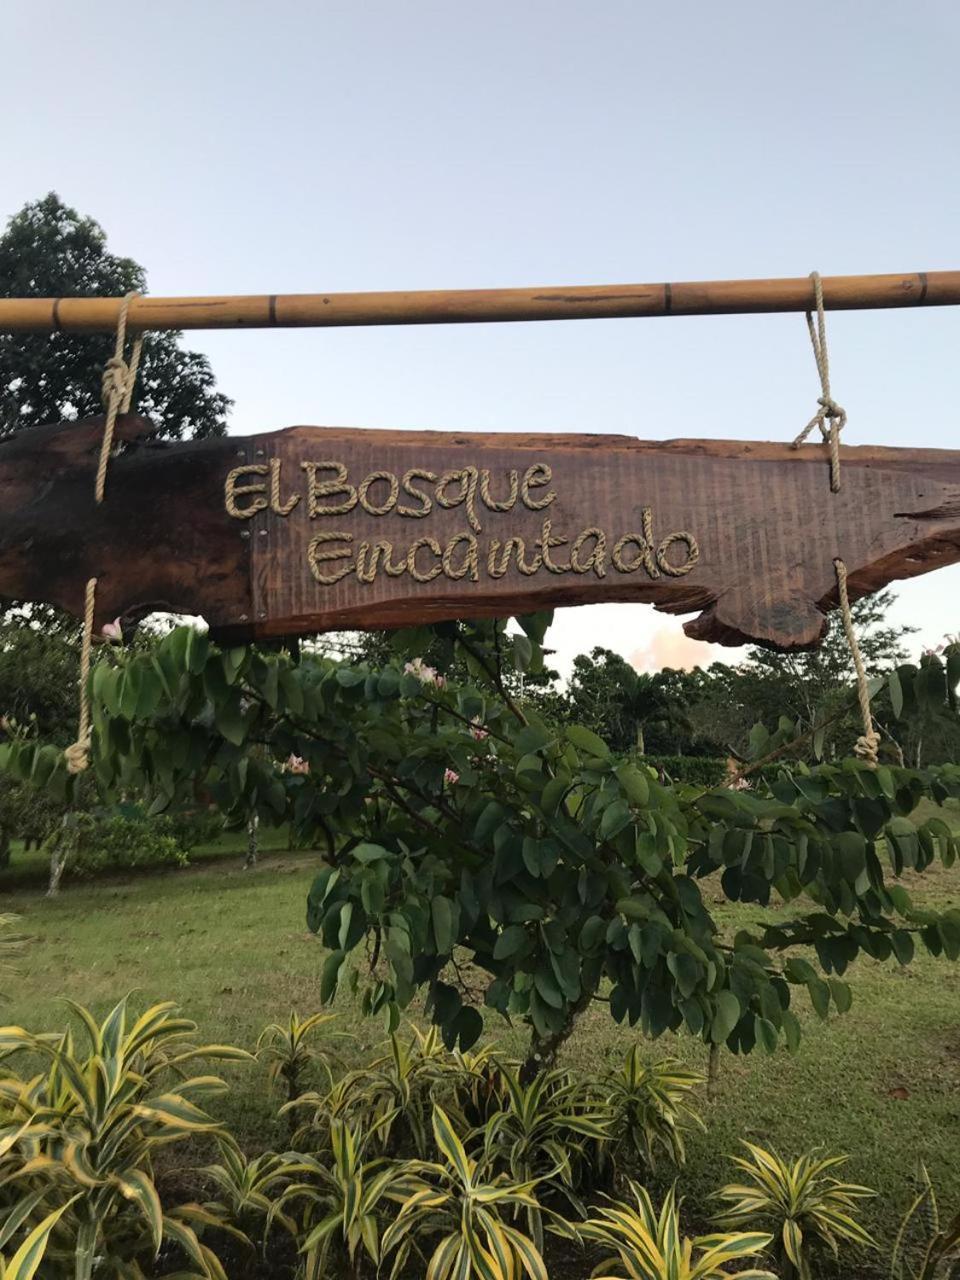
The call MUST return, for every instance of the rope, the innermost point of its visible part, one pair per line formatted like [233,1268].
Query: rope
[78,753]
[118,382]
[867,744]
[830,418]
[119,378]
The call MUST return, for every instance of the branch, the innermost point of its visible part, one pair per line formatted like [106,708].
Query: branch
[494,677]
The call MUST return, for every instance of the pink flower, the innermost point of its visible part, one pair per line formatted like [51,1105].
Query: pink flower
[478,731]
[450,776]
[297,764]
[112,631]
[440,681]
[425,674]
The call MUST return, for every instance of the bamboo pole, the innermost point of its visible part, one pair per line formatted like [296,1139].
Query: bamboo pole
[475,306]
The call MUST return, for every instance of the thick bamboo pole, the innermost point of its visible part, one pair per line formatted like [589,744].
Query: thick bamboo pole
[473,306]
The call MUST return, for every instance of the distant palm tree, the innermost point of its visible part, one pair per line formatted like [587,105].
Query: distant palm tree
[649,705]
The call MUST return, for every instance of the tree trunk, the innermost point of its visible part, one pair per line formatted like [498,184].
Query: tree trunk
[641,745]
[59,852]
[542,1052]
[253,826]
[713,1072]
[4,846]
[63,840]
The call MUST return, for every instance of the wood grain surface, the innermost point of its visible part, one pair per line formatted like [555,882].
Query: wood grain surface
[315,528]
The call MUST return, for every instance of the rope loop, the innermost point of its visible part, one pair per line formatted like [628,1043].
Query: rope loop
[830,419]
[868,744]
[119,377]
[78,753]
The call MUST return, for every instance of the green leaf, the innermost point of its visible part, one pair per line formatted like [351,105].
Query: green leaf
[616,816]
[510,942]
[686,970]
[469,1027]
[532,737]
[766,1033]
[725,1018]
[443,913]
[635,783]
[230,720]
[819,997]
[842,995]
[546,985]
[902,943]
[522,653]
[896,693]
[586,740]
[791,1030]
[196,650]
[491,820]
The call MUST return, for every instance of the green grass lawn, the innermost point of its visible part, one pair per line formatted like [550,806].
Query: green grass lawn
[231,947]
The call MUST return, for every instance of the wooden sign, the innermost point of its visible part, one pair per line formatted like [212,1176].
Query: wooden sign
[316,528]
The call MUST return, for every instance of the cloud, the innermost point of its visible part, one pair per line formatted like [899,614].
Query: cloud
[667,646]
[645,638]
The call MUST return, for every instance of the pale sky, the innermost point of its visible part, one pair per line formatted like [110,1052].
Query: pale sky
[240,147]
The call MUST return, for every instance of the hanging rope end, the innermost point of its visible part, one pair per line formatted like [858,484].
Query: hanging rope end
[867,748]
[77,756]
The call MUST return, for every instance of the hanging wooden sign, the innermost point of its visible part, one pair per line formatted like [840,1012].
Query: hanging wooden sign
[316,528]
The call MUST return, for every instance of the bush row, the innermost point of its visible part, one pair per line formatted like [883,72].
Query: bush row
[703,771]
[423,1162]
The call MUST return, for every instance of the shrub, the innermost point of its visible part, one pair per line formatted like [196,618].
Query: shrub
[703,771]
[27,813]
[287,1048]
[341,1203]
[89,1128]
[113,842]
[541,1132]
[935,1254]
[455,1198]
[250,1190]
[650,1246]
[26,1261]
[802,1203]
[11,946]
[650,1107]
[393,1096]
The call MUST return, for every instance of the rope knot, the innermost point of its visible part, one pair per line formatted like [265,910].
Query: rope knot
[831,409]
[866,747]
[116,373]
[119,377]
[830,418]
[77,756]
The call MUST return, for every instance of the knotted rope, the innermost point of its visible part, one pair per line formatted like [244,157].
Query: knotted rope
[868,742]
[119,377]
[78,753]
[830,418]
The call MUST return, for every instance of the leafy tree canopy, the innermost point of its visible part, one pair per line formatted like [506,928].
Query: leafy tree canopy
[485,855]
[51,251]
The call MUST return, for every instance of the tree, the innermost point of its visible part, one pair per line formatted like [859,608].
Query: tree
[483,854]
[808,688]
[621,704]
[50,251]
